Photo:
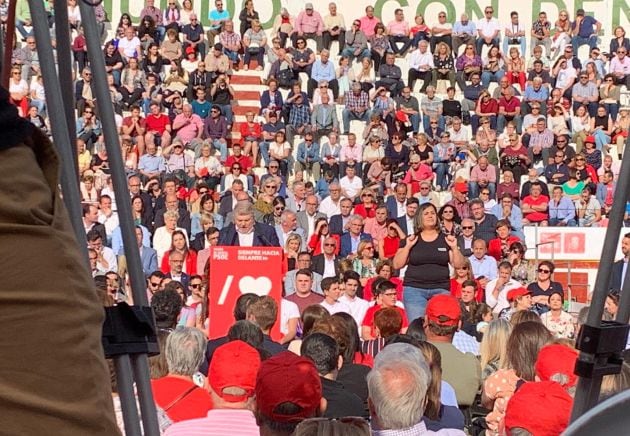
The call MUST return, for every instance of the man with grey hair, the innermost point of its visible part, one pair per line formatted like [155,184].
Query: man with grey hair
[331,205]
[289,224]
[177,393]
[420,66]
[246,232]
[397,388]
[296,200]
[464,32]
[306,218]
[323,69]
[350,240]
[241,197]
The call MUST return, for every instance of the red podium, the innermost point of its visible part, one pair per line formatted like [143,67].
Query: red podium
[234,271]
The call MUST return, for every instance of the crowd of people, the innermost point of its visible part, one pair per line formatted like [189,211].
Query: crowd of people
[409,298]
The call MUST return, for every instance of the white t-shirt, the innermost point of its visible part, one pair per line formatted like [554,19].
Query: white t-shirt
[358,308]
[488,27]
[351,187]
[129,46]
[338,306]
[288,310]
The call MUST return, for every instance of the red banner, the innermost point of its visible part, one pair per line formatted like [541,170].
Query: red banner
[235,271]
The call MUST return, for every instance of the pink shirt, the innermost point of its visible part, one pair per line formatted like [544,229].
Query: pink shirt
[354,153]
[376,230]
[398,28]
[309,23]
[367,25]
[490,174]
[219,422]
[190,131]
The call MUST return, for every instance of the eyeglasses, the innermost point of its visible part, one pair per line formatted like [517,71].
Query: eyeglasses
[467,227]
[330,245]
[367,195]
[485,122]
[16,72]
[273,166]
[270,187]
[621,52]
[447,211]
[433,123]
[464,268]
[441,16]
[323,86]
[155,285]
[580,159]
[236,168]
[369,248]
[195,285]
[489,12]
[544,271]
[311,204]
[279,208]
[88,112]
[424,188]
[485,193]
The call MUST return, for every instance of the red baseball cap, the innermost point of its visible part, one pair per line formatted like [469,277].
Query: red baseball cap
[234,364]
[590,138]
[513,294]
[557,359]
[189,50]
[288,378]
[541,408]
[461,187]
[444,310]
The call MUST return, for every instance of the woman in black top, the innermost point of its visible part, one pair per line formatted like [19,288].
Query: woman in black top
[427,254]
[247,15]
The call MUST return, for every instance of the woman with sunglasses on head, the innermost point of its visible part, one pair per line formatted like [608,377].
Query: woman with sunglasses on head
[264,202]
[543,287]
[461,275]
[522,270]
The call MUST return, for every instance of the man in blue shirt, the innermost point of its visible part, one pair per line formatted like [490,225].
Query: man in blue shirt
[583,32]
[464,32]
[323,70]
[217,18]
[561,209]
[151,164]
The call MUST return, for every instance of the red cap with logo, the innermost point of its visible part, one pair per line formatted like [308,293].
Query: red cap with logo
[444,310]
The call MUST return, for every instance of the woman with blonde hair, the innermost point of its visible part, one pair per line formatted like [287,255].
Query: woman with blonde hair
[444,65]
[493,347]
[292,247]
[365,263]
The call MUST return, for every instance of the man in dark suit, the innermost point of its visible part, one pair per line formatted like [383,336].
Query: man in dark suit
[226,204]
[350,240]
[327,263]
[246,232]
[176,264]
[337,224]
[407,221]
[90,221]
[396,203]
[620,267]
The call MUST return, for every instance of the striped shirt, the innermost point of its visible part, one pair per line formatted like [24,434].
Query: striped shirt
[219,422]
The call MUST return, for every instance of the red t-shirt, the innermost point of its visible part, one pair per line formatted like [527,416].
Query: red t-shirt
[193,405]
[368,320]
[244,161]
[509,106]
[535,217]
[157,124]
[127,123]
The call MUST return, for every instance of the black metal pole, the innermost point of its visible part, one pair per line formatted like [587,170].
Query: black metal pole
[61,135]
[62,35]
[126,395]
[587,393]
[119,180]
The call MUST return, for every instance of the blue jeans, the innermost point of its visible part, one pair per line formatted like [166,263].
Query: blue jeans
[601,139]
[578,41]
[347,115]
[522,43]
[19,26]
[349,51]
[263,148]
[442,175]
[416,299]
[481,42]
[232,55]
[222,147]
[488,76]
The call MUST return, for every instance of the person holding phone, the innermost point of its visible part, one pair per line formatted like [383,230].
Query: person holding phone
[427,254]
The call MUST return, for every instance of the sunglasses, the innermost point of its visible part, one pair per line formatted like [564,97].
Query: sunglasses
[195,286]
[155,285]
[330,245]
[464,268]
[279,208]
[467,227]
[544,271]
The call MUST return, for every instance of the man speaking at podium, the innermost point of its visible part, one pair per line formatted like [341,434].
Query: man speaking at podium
[246,232]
